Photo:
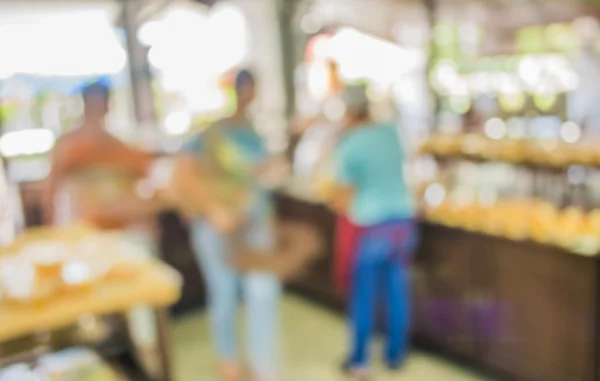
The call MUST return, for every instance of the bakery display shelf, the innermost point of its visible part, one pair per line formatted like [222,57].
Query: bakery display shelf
[76,363]
[133,278]
[116,350]
[93,313]
[525,241]
[124,366]
[128,367]
[115,347]
[108,335]
[156,286]
[524,309]
[554,167]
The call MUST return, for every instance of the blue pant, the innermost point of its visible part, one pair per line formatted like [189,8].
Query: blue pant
[260,291]
[380,274]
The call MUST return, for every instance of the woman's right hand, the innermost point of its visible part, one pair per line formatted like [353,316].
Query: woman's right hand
[223,219]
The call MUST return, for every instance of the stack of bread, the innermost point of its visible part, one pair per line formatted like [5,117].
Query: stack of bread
[571,228]
[41,270]
[543,152]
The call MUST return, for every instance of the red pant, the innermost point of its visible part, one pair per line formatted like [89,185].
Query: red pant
[346,241]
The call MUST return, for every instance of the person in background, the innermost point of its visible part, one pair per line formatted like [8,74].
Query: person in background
[472,121]
[370,188]
[323,135]
[95,178]
[94,175]
[235,210]
[346,232]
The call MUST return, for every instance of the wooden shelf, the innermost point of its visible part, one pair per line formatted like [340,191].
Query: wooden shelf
[523,309]
[534,245]
[530,165]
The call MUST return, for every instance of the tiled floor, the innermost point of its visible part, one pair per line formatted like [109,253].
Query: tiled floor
[313,347]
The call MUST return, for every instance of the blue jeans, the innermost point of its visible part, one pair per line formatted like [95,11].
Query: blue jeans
[261,293]
[380,274]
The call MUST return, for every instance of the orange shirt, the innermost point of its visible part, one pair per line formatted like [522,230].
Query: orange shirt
[97,172]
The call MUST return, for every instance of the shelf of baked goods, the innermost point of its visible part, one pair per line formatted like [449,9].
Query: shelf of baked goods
[548,153]
[572,228]
[49,278]
[80,364]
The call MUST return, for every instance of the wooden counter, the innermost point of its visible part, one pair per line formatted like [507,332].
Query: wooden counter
[318,281]
[527,310]
[175,249]
[520,309]
[173,246]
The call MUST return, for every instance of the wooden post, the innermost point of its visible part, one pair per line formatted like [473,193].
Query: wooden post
[139,69]
[164,344]
[2,116]
[285,14]
[432,6]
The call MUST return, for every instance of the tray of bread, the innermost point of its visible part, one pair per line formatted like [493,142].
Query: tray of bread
[49,278]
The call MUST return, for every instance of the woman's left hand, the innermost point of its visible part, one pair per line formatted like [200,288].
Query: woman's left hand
[282,267]
[274,172]
[297,245]
[224,219]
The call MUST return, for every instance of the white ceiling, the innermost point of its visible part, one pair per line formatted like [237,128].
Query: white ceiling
[377,17]
[34,11]
[380,17]
[60,37]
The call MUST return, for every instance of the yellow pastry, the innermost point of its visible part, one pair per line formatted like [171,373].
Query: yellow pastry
[543,221]
[78,275]
[593,218]
[571,224]
[21,285]
[46,257]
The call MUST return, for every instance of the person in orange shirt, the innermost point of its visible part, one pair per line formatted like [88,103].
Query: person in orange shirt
[94,176]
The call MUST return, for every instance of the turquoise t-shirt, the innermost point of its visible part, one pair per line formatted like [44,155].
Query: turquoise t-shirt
[370,160]
[237,150]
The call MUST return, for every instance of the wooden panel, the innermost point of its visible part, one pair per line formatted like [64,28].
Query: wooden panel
[523,309]
[582,309]
[547,308]
[175,249]
[31,196]
[318,280]
[442,287]
[485,308]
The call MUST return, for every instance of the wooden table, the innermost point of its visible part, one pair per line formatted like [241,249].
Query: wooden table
[146,282]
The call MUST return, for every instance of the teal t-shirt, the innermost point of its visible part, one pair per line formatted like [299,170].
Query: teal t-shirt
[370,160]
[237,150]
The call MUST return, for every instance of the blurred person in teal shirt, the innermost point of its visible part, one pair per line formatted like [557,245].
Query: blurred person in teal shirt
[229,157]
[370,187]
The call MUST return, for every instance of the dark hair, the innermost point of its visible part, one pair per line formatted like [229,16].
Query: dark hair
[243,78]
[96,89]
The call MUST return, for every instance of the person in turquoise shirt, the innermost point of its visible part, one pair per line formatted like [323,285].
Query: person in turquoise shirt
[370,162]
[369,168]
[230,156]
